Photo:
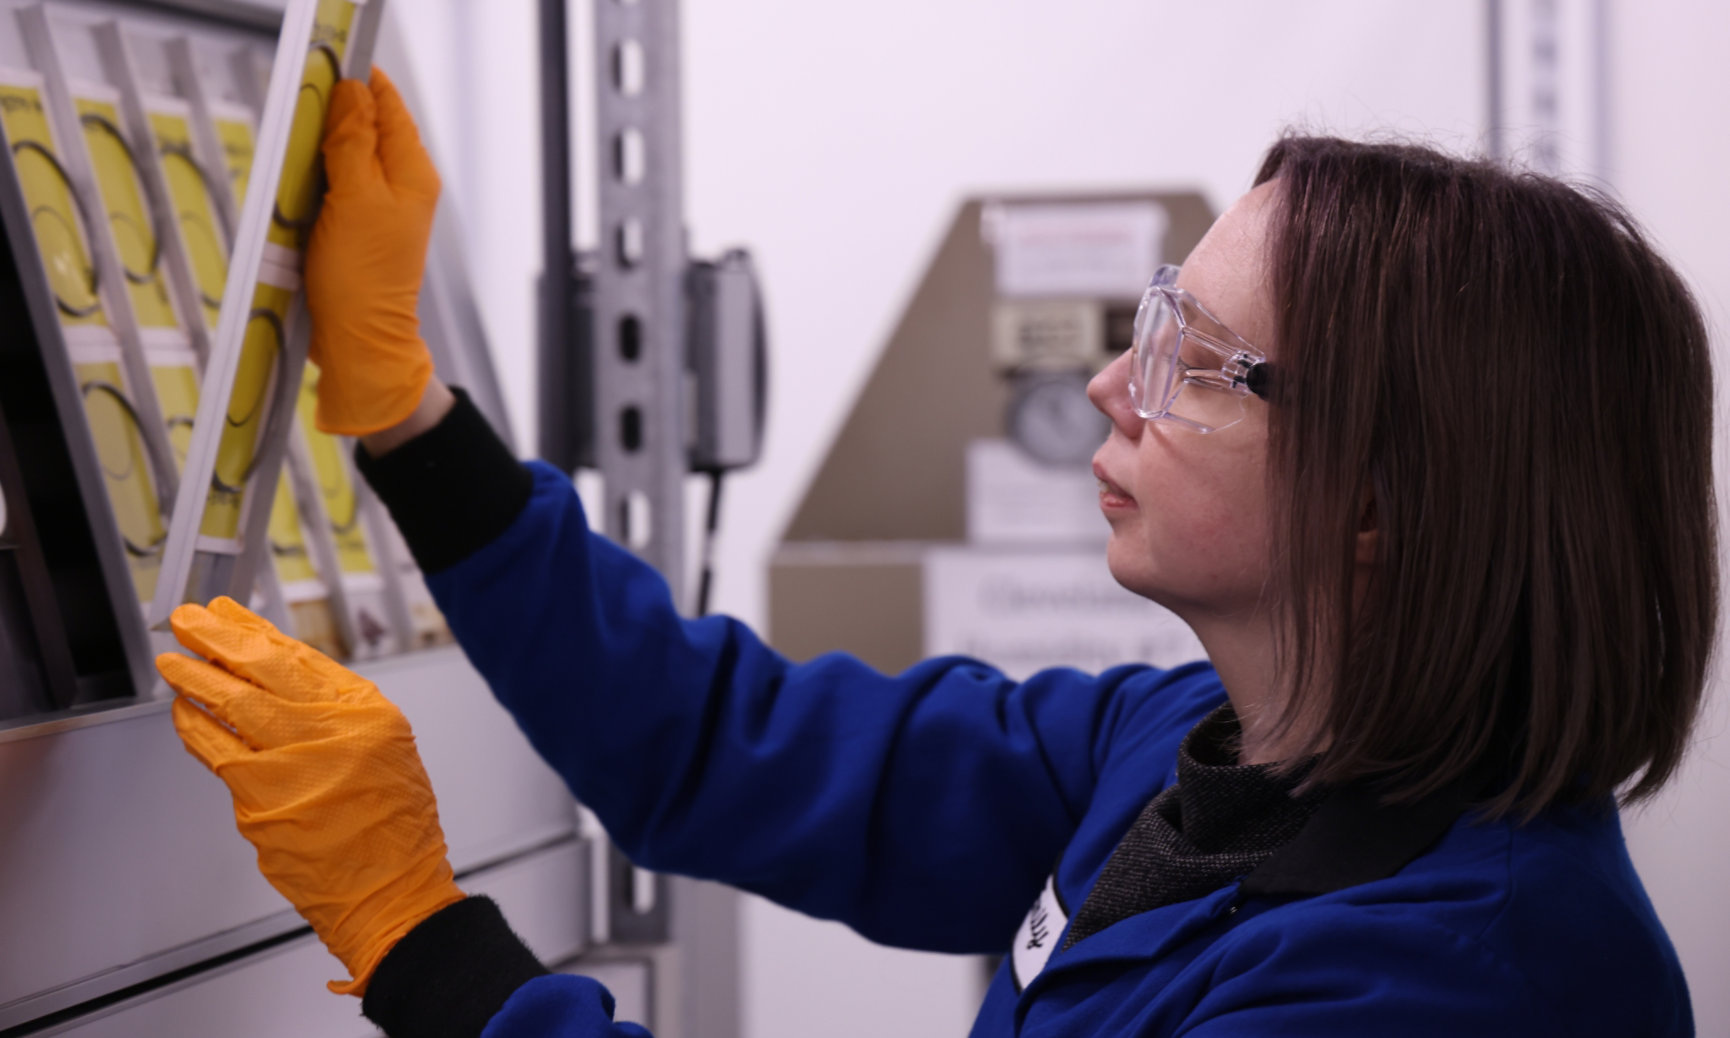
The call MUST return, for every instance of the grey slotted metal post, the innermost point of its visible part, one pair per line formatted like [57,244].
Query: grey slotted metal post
[639,327]
[1546,87]
[557,256]
[1493,88]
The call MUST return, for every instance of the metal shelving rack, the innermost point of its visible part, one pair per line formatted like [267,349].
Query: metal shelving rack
[112,839]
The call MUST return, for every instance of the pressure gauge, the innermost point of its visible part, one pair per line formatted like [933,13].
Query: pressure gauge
[1051,418]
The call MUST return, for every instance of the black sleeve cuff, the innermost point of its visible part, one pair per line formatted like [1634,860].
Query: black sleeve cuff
[450,975]
[452,489]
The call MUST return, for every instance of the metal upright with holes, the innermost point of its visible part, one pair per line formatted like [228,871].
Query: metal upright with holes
[1546,86]
[651,367]
[639,328]
[639,306]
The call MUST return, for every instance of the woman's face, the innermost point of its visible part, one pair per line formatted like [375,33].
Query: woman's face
[1189,511]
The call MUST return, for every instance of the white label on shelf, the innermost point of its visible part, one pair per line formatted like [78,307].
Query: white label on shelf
[1023,610]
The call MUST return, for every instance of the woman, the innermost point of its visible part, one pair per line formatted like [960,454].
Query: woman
[1419,447]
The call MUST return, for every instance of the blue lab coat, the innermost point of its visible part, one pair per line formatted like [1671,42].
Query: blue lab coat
[927,809]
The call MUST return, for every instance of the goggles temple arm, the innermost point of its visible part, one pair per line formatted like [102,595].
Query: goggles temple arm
[1258,379]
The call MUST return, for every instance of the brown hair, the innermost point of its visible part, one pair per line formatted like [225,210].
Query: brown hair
[1507,373]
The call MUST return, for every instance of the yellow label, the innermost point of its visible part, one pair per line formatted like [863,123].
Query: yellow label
[238,146]
[129,218]
[302,184]
[353,554]
[177,395]
[287,542]
[255,380]
[195,212]
[53,213]
[125,471]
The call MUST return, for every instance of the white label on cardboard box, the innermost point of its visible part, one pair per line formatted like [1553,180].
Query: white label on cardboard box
[1105,250]
[1013,499]
[1062,335]
[1024,610]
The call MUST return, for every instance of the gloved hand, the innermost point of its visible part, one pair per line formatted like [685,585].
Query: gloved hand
[326,780]
[365,261]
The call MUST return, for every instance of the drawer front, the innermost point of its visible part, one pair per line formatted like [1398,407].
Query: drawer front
[118,856]
[280,993]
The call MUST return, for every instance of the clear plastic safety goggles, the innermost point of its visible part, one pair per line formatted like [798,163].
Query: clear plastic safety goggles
[1187,366]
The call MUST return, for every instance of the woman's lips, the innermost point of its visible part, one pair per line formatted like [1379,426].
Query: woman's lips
[1111,496]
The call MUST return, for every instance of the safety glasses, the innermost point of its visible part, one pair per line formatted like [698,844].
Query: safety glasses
[1188,367]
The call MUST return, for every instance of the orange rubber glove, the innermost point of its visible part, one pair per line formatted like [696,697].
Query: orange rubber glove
[326,780]
[366,259]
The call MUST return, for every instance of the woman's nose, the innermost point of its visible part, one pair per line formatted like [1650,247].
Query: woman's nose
[1109,391]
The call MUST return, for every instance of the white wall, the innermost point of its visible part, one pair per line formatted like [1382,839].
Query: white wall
[836,140]
[1670,149]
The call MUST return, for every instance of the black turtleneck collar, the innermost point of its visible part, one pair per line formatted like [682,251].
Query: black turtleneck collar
[1223,821]
[1219,821]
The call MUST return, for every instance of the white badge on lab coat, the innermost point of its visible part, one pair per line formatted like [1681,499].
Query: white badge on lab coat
[1038,935]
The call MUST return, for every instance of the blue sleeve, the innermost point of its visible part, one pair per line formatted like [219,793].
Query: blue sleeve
[923,809]
[1349,972]
[560,1006]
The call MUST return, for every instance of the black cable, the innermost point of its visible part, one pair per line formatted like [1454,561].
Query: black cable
[713,523]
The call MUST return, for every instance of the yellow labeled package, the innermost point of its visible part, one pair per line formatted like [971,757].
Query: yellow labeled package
[54,214]
[341,502]
[249,409]
[302,183]
[177,395]
[254,364]
[118,181]
[238,146]
[309,606]
[126,471]
[195,212]
[288,542]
